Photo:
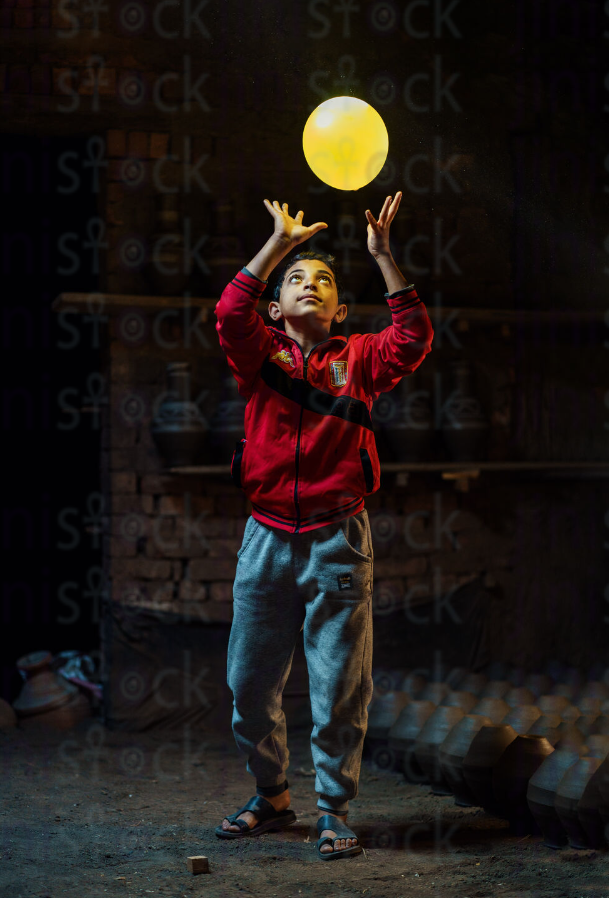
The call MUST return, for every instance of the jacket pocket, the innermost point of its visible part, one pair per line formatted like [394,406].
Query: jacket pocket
[235,465]
[367,469]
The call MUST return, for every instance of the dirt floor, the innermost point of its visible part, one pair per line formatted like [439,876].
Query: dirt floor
[94,813]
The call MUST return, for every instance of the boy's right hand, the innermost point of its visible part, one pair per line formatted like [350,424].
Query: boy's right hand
[291,230]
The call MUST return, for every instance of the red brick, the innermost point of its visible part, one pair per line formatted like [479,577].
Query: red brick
[100,81]
[124,482]
[141,569]
[42,19]
[205,612]
[138,144]
[135,504]
[192,591]
[68,81]
[159,145]
[116,192]
[118,548]
[217,527]
[393,567]
[116,143]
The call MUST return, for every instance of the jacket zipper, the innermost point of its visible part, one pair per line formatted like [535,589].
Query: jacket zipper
[304,369]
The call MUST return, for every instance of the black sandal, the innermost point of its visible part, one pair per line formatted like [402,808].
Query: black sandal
[268,819]
[328,821]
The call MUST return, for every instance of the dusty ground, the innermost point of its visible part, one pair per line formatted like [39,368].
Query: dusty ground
[95,813]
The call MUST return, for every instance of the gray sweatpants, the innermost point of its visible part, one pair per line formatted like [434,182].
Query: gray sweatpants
[319,582]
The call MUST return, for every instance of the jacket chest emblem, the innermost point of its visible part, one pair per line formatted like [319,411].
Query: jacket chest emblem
[284,356]
[338,373]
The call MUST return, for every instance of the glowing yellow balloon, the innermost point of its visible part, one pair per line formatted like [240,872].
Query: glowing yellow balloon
[345,142]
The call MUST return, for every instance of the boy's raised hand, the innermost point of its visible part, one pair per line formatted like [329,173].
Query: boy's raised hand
[289,229]
[378,231]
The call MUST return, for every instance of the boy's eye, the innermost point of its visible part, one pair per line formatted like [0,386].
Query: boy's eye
[324,277]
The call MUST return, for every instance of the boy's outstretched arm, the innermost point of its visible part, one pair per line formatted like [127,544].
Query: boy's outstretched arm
[399,349]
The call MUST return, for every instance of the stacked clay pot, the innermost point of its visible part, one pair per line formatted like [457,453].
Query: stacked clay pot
[510,779]
[402,738]
[383,712]
[568,794]
[485,749]
[452,752]
[436,729]
[541,793]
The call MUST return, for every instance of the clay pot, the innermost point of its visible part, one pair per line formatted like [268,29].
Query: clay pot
[541,792]
[436,729]
[598,745]
[495,708]
[383,713]
[388,680]
[434,692]
[552,704]
[403,736]
[522,717]
[474,682]
[602,780]
[452,752]
[464,427]
[456,675]
[538,683]
[568,793]
[570,737]
[463,700]
[178,428]
[496,689]
[8,718]
[570,713]
[546,725]
[603,724]
[519,695]
[587,724]
[43,689]
[64,717]
[485,749]
[414,684]
[511,775]
[226,425]
[567,689]
[589,704]
[590,810]
[594,689]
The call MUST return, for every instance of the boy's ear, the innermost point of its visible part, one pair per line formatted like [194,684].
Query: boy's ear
[274,310]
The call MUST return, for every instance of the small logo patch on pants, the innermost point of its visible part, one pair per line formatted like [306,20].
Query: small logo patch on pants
[344,581]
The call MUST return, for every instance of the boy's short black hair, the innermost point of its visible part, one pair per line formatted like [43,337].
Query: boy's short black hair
[328,258]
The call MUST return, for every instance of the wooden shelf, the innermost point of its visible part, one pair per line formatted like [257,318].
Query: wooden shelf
[461,473]
[105,303]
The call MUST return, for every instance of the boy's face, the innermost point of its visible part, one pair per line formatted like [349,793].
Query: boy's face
[308,295]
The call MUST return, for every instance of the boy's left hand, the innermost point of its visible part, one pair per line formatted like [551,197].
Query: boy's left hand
[378,231]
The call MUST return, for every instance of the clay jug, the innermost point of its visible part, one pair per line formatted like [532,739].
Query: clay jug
[519,695]
[433,734]
[458,699]
[407,425]
[43,689]
[511,775]
[522,717]
[496,689]
[464,428]
[485,749]
[568,793]
[495,708]
[570,737]
[452,752]
[178,428]
[227,422]
[541,793]
[403,736]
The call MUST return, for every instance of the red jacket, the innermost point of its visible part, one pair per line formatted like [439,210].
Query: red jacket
[309,454]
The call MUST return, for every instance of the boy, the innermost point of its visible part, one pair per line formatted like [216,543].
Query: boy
[307,462]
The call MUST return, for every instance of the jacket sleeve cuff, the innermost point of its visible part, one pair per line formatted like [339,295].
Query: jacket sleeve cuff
[400,291]
[250,274]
